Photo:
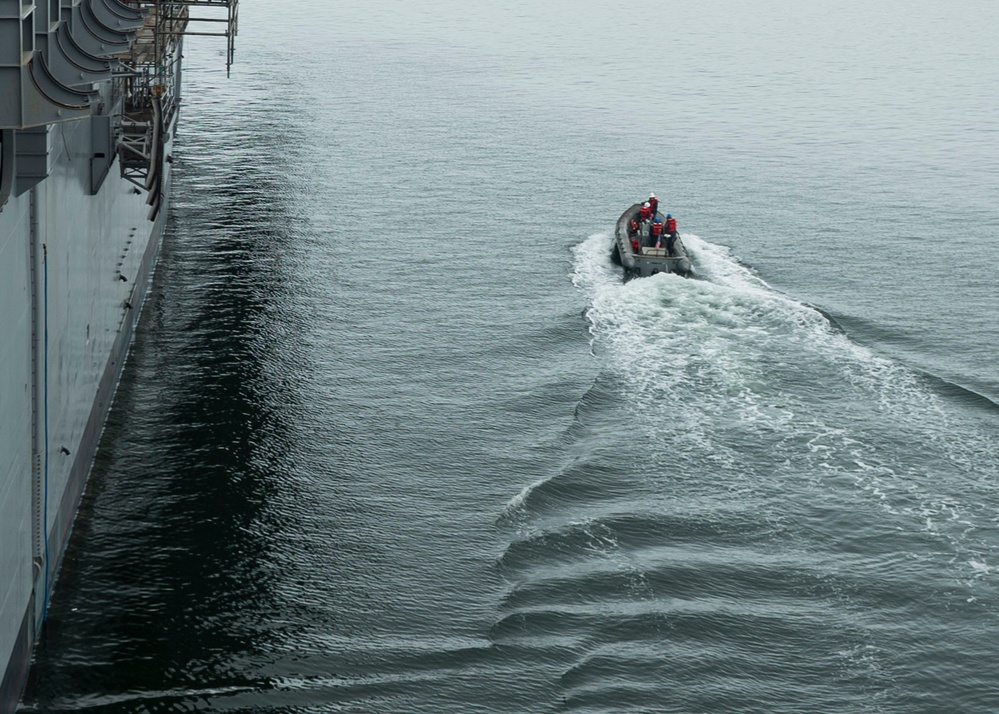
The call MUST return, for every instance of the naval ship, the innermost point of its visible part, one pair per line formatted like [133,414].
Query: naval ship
[89,106]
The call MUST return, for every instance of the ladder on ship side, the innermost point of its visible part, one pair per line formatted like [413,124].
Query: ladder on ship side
[205,18]
[151,89]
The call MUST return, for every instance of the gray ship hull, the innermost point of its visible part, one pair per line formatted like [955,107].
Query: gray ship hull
[90,93]
[74,273]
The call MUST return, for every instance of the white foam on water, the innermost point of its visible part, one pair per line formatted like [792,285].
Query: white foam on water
[724,336]
[515,506]
[671,338]
[724,363]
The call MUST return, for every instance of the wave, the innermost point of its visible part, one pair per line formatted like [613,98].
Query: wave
[727,379]
[729,345]
[743,489]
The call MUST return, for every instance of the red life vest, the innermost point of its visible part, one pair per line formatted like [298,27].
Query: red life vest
[644,213]
[654,205]
[657,229]
[671,225]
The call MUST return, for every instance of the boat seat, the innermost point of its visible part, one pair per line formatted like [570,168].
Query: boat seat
[646,250]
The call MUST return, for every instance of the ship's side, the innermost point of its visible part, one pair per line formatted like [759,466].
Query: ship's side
[89,100]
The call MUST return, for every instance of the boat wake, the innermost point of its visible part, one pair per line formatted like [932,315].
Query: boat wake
[736,374]
[742,478]
[741,475]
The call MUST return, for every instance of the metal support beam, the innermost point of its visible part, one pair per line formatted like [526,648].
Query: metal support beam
[6,165]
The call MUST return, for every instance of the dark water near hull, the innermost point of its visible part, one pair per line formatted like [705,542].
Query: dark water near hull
[396,436]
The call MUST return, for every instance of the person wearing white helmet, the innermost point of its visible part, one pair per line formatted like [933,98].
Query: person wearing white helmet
[653,203]
[645,222]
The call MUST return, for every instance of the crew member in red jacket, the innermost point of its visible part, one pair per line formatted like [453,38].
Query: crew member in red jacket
[656,237]
[645,212]
[633,235]
[671,233]
[653,204]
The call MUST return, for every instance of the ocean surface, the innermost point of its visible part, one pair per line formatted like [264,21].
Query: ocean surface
[396,436]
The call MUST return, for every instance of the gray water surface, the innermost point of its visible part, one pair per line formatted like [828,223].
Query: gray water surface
[397,437]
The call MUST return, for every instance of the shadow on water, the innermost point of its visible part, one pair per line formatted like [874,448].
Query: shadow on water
[170,550]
